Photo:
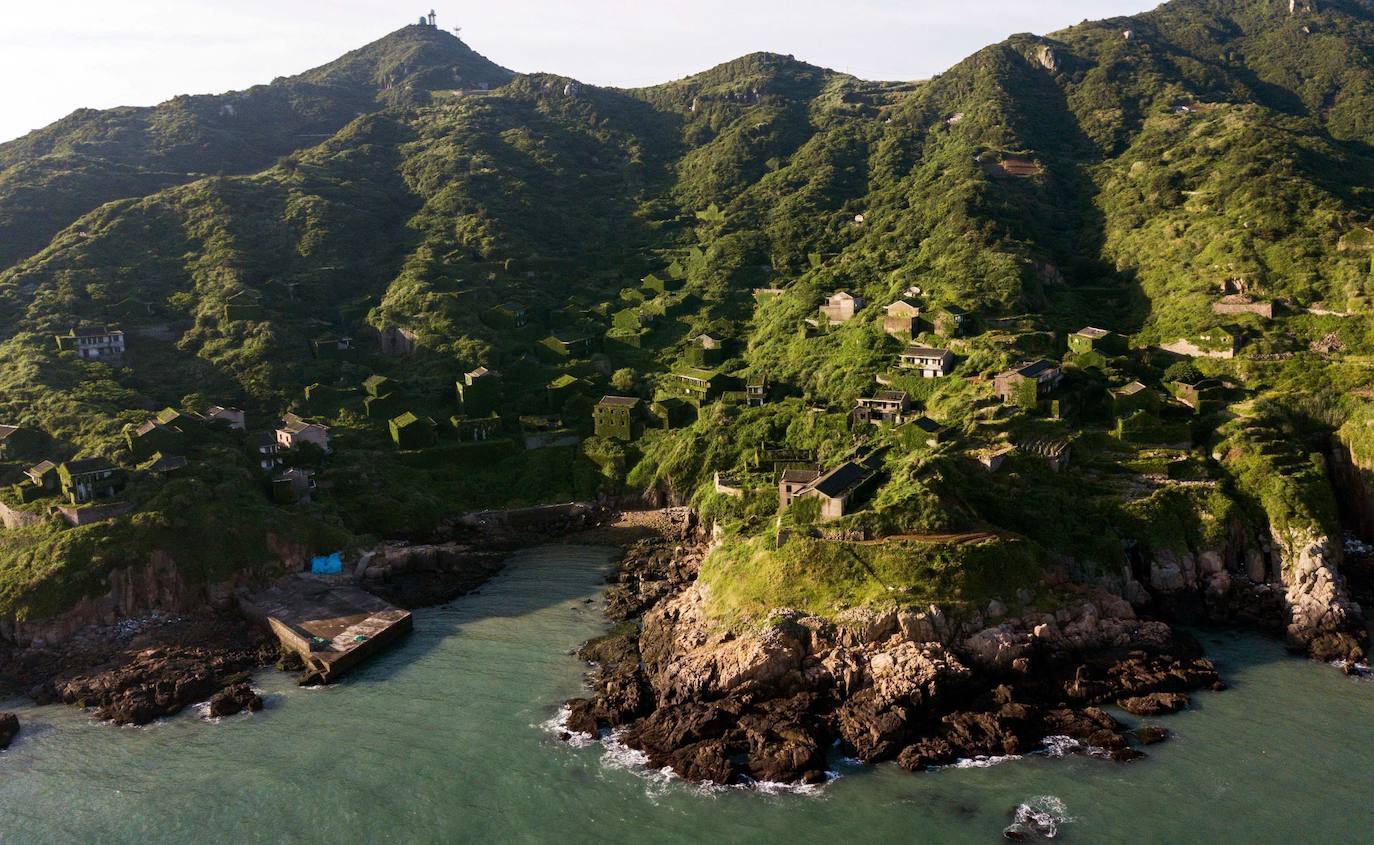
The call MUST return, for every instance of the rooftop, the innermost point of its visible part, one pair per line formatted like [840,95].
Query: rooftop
[1129,389]
[7,430]
[925,352]
[619,401]
[1092,333]
[799,476]
[841,480]
[1036,368]
[88,465]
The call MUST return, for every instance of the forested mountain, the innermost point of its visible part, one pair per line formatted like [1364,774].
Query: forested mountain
[447,215]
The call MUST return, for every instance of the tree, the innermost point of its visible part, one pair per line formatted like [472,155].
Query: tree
[623,379]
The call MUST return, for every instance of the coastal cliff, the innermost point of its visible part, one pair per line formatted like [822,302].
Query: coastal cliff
[921,686]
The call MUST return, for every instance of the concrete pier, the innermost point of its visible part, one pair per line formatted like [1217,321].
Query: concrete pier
[333,627]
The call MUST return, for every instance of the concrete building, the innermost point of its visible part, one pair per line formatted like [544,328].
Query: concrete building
[887,406]
[94,343]
[618,417]
[90,479]
[930,361]
[900,318]
[1029,382]
[841,306]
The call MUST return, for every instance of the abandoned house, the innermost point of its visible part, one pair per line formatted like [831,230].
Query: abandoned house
[296,432]
[792,482]
[243,305]
[1093,339]
[89,479]
[331,347]
[900,318]
[1132,397]
[152,436]
[836,489]
[221,417]
[699,385]
[43,475]
[17,441]
[1055,452]
[1028,383]
[887,406]
[479,392]
[930,361]
[618,418]
[951,321]
[706,351]
[265,450]
[476,429]
[841,306]
[166,464]
[925,430]
[94,343]
[293,485]
[410,431]
[756,392]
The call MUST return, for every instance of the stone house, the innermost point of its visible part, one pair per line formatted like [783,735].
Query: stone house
[153,436]
[706,351]
[700,385]
[951,321]
[243,305]
[1055,452]
[1027,383]
[901,317]
[841,306]
[925,430]
[886,406]
[293,485]
[618,418]
[1237,303]
[930,361]
[476,429]
[331,346]
[17,441]
[836,489]
[1132,397]
[1092,339]
[89,479]
[93,343]
[410,431]
[44,476]
[791,484]
[295,432]
[670,412]
[756,392]
[479,392]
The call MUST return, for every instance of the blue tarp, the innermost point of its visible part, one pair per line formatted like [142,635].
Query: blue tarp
[328,565]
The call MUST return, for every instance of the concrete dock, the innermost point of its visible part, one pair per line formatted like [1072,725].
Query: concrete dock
[333,627]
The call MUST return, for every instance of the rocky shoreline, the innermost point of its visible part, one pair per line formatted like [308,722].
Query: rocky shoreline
[143,668]
[915,687]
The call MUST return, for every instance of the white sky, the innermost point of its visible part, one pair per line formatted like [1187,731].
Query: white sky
[57,57]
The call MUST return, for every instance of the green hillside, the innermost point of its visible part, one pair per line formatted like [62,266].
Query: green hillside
[445,215]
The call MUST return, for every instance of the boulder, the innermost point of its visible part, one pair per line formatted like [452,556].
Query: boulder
[9,729]
[1154,704]
[235,699]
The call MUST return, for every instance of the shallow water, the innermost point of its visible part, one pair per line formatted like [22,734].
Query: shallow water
[442,740]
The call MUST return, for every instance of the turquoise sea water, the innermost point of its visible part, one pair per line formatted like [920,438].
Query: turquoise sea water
[444,740]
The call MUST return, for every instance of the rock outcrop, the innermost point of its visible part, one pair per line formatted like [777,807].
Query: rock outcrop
[916,685]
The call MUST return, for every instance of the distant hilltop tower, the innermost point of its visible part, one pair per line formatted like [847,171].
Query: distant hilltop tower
[428,20]
[431,17]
